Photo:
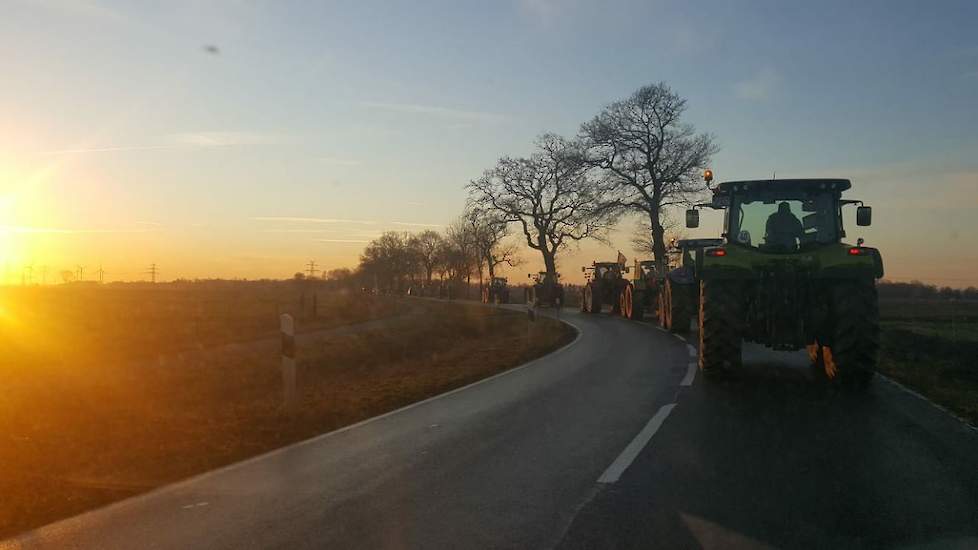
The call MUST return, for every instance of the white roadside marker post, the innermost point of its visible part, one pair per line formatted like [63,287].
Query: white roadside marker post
[531,317]
[287,324]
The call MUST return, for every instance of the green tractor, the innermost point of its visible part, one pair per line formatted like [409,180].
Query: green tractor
[604,285]
[678,291]
[789,282]
[640,294]
[545,290]
[496,292]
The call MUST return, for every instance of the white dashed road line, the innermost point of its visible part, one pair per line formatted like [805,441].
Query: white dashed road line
[625,459]
[692,350]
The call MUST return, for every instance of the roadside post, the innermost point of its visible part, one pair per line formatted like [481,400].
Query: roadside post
[531,317]
[287,324]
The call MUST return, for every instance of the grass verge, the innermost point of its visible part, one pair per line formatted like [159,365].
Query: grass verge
[932,347]
[81,435]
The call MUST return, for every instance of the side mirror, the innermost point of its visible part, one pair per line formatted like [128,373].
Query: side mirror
[529,275]
[692,218]
[864,215]
[583,269]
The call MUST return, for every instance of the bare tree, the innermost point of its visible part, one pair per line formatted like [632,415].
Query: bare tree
[642,146]
[388,261]
[489,231]
[426,245]
[458,255]
[550,195]
[642,234]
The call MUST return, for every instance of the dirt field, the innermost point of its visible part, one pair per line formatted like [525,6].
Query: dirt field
[87,425]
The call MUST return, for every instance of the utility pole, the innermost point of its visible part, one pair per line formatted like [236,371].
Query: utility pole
[152,271]
[81,272]
[44,275]
[101,274]
[311,269]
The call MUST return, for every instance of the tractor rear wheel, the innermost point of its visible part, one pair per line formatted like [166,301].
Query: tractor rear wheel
[721,315]
[679,307]
[625,301]
[662,310]
[849,360]
[595,300]
[638,311]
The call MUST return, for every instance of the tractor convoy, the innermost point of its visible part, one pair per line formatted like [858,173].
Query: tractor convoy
[780,275]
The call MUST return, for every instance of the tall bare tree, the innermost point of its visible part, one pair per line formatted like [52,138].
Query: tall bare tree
[426,245]
[641,144]
[549,195]
[489,231]
[459,256]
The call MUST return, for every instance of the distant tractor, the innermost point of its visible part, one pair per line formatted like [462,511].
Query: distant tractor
[496,292]
[679,289]
[545,290]
[604,286]
[784,278]
[642,292]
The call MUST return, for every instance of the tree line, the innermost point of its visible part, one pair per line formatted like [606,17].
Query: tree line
[636,156]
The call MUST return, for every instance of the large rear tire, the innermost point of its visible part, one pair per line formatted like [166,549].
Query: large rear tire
[626,301]
[849,359]
[721,317]
[679,307]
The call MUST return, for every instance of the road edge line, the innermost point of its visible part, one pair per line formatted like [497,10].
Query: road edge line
[927,400]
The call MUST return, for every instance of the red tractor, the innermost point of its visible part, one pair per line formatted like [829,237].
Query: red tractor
[604,286]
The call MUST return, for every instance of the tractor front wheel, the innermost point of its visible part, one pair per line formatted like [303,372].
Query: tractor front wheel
[721,315]
[849,360]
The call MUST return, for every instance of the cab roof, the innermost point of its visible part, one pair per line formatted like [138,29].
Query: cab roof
[835,184]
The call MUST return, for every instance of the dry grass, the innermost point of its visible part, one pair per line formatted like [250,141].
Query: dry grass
[932,346]
[86,431]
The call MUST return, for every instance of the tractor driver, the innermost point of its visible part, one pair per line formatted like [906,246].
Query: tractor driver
[783,228]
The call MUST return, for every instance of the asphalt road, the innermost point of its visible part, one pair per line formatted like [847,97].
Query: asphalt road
[611,442]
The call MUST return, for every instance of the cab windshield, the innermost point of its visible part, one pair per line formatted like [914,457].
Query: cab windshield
[784,221]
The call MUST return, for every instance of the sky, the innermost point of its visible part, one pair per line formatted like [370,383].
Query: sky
[243,139]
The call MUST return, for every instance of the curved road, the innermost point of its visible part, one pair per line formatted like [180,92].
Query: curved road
[612,441]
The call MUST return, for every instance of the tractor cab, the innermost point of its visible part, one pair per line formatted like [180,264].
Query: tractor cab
[605,271]
[782,216]
[543,277]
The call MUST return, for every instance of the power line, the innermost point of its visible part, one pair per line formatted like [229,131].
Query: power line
[311,269]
